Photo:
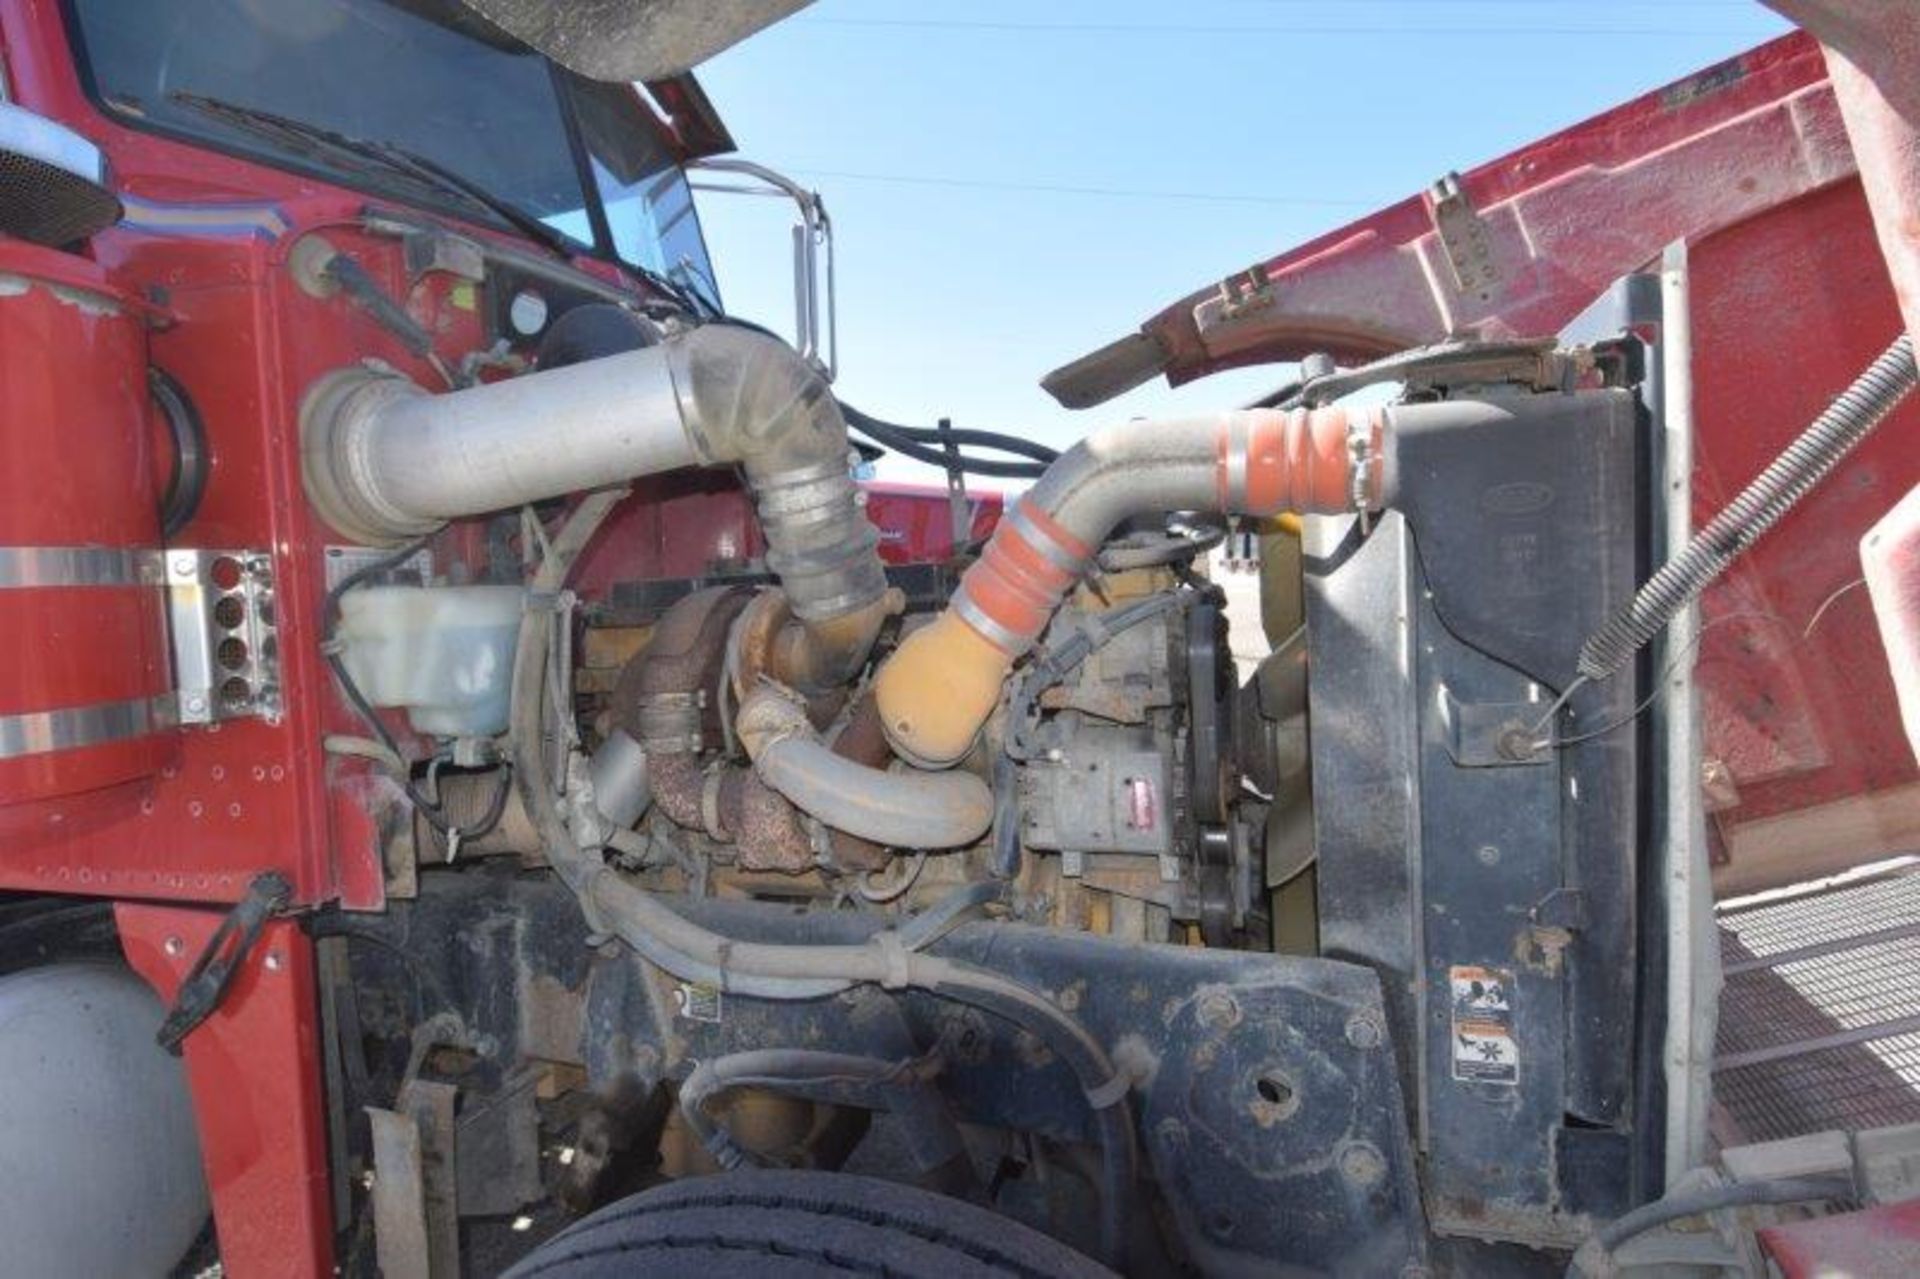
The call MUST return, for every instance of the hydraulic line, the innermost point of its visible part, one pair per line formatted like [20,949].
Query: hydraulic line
[1790,477]
[923,445]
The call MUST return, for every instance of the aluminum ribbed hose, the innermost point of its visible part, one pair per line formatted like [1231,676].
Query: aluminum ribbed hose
[1791,476]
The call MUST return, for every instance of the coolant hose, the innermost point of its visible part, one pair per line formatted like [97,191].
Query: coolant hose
[1790,477]
[938,688]
[904,808]
[616,905]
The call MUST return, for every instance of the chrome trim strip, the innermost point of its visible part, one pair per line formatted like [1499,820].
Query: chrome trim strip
[41,732]
[33,135]
[27,567]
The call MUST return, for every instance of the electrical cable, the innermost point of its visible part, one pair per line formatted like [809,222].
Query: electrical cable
[962,437]
[1055,664]
[330,648]
[1693,1203]
[1660,684]
[1852,416]
[925,444]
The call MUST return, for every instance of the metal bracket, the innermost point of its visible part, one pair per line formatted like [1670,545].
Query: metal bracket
[220,613]
[205,984]
[1493,734]
[1463,234]
[1561,908]
[1245,291]
[813,286]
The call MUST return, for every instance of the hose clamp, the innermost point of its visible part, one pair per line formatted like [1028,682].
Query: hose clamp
[1362,459]
[669,723]
[898,960]
[1001,637]
[1111,1093]
[1239,446]
[1021,523]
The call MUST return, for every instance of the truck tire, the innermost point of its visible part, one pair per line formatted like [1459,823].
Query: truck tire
[785,1225]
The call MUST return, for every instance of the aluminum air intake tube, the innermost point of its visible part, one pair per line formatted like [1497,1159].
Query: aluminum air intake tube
[384,460]
[942,683]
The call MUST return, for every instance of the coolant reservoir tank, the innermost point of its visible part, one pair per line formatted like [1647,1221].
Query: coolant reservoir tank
[443,653]
[83,687]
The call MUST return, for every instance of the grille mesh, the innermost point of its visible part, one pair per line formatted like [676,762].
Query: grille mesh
[1808,970]
[48,205]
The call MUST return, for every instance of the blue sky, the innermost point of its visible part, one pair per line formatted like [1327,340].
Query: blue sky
[1014,182]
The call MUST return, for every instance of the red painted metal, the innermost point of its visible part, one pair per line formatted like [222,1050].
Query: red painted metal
[1890,554]
[1749,162]
[75,472]
[1875,1243]
[253,1068]
[1557,221]
[1752,149]
[1871,48]
[1788,307]
[916,522]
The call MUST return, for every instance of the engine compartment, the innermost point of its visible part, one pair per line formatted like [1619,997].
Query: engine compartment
[1049,972]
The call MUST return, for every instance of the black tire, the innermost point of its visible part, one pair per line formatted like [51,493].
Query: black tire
[785,1225]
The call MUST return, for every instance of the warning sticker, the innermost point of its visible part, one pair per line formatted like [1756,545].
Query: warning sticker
[1484,1049]
[697,1001]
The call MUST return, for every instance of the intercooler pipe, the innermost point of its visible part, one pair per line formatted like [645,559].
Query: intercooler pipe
[384,461]
[939,687]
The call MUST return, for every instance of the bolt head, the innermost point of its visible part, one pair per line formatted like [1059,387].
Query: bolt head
[1363,1031]
[1361,1164]
[1218,1010]
[174,947]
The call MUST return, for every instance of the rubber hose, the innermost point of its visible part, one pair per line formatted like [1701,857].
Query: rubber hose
[1692,1203]
[1790,477]
[690,952]
[768,1068]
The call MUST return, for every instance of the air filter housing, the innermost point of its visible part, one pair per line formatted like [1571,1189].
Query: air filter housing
[53,182]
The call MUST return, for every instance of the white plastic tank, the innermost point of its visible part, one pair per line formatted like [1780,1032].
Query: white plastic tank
[444,654]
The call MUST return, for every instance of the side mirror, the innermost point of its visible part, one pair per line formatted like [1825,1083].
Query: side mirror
[812,254]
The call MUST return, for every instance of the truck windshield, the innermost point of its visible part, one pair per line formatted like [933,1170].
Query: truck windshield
[424,76]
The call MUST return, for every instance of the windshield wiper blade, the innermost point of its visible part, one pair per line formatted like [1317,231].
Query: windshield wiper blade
[436,174]
[389,156]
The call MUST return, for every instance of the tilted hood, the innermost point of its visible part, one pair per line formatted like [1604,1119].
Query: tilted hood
[632,39]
